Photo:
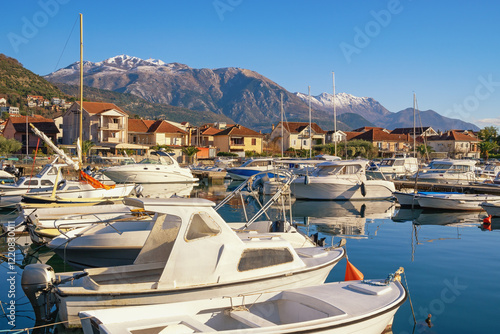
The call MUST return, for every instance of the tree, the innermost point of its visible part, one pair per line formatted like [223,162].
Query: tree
[8,146]
[486,147]
[86,146]
[489,133]
[424,150]
[190,151]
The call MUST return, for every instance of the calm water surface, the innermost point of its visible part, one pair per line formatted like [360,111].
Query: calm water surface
[452,265]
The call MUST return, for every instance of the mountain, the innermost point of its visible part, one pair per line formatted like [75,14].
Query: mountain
[242,95]
[404,119]
[15,79]
[140,107]
[365,107]
[374,112]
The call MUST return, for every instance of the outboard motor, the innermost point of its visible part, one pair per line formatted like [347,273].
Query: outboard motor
[317,240]
[278,226]
[36,281]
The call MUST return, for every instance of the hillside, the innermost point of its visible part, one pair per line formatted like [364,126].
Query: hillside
[142,108]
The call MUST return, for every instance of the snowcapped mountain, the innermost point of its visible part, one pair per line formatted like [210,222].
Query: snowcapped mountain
[242,95]
[367,107]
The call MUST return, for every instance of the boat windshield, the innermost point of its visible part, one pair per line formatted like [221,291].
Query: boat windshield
[47,170]
[339,170]
[156,160]
[450,168]
[255,163]
[389,162]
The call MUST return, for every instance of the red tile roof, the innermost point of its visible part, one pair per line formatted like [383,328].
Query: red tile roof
[296,127]
[142,125]
[455,135]
[210,131]
[46,125]
[239,130]
[98,107]
[377,134]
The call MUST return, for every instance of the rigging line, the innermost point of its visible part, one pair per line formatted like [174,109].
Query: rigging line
[66,44]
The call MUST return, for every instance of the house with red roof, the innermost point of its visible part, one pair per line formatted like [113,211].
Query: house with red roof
[160,132]
[387,143]
[103,123]
[456,143]
[238,139]
[15,128]
[297,135]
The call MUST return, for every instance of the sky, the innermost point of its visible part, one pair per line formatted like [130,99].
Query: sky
[445,52]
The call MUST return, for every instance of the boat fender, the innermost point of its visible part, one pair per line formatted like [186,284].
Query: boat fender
[363,189]
[138,190]
[306,179]
[487,223]
[362,212]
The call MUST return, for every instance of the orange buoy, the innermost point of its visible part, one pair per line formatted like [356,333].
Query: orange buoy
[352,273]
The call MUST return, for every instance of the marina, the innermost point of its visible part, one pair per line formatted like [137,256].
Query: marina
[380,237]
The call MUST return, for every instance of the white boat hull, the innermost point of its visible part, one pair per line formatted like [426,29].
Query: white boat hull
[70,305]
[338,189]
[160,174]
[465,202]
[492,209]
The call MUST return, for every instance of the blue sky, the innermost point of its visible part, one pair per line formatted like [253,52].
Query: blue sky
[446,52]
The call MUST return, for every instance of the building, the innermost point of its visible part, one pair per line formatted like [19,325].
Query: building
[387,143]
[297,135]
[3,101]
[10,110]
[103,123]
[456,143]
[425,131]
[15,128]
[148,132]
[238,139]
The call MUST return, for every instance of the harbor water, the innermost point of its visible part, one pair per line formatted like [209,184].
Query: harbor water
[451,262]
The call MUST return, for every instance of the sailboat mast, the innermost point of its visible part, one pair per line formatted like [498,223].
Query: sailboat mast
[414,133]
[282,125]
[334,115]
[310,126]
[81,87]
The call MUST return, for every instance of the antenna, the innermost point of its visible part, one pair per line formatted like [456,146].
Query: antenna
[310,126]
[282,139]
[334,115]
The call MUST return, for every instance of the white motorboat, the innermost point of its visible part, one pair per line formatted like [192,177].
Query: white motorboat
[160,167]
[448,171]
[489,172]
[191,253]
[250,168]
[447,201]
[410,198]
[366,306]
[341,180]
[392,168]
[46,178]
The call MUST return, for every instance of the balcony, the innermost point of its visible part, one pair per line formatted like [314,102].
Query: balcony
[112,140]
[111,126]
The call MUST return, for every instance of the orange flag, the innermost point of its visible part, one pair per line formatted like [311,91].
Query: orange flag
[352,273]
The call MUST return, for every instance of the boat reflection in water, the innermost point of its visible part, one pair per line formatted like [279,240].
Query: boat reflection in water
[342,218]
[437,217]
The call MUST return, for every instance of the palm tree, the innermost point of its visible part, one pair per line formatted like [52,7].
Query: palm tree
[86,147]
[486,147]
[190,151]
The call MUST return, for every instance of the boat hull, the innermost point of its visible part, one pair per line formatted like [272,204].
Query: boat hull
[451,202]
[70,305]
[341,189]
[160,175]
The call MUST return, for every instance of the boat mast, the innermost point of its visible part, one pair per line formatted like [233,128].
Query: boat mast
[81,89]
[414,134]
[334,115]
[310,126]
[282,125]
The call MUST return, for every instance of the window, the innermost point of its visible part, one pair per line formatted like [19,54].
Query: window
[254,141]
[47,183]
[305,142]
[202,226]
[263,257]
[31,183]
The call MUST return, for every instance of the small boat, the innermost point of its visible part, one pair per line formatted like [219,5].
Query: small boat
[448,171]
[447,201]
[341,180]
[159,167]
[492,209]
[250,168]
[407,199]
[366,306]
[392,168]
[191,253]
[46,178]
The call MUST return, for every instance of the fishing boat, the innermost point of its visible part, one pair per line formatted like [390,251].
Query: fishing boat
[447,201]
[341,180]
[448,171]
[190,253]
[159,167]
[366,306]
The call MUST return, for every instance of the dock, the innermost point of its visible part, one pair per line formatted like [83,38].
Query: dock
[464,188]
[212,177]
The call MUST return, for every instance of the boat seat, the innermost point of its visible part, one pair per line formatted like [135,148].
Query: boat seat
[250,319]
[196,325]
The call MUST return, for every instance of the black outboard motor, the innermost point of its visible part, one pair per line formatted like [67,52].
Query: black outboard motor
[317,241]
[36,281]
[278,226]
